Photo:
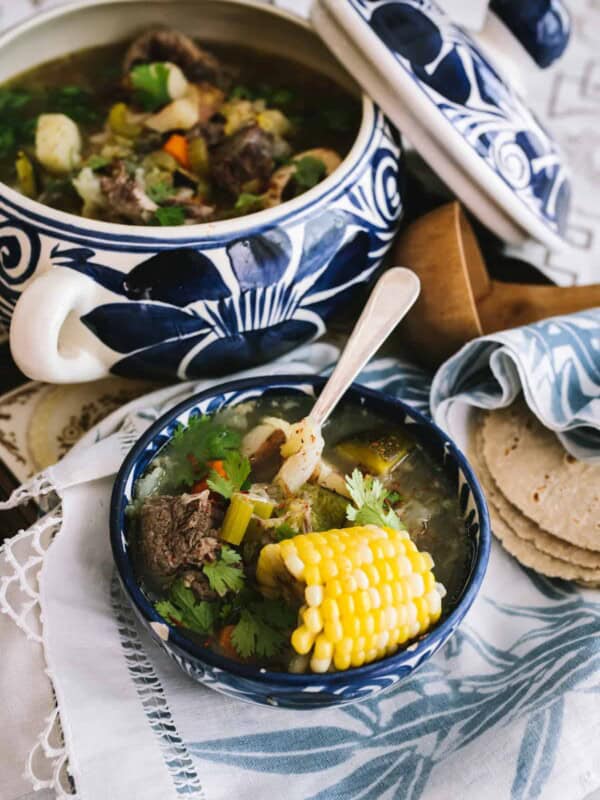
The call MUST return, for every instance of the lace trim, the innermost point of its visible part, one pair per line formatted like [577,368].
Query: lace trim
[34,488]
[24,554]
[49,755]
[154,702]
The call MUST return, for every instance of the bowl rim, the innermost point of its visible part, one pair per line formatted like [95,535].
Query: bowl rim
[283,679]
[181,234]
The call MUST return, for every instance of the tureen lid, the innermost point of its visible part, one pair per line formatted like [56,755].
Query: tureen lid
[463,117]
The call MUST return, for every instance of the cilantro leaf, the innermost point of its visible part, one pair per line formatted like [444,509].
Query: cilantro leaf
[263,629]
[151,84]
[225,574]
[184,609]
[169,215]
[371,502]
[284,531]
[237,468]
[159,191]
[309,171]
[15,129]
[251,636]
[193,445]
[247,203]
[77,103]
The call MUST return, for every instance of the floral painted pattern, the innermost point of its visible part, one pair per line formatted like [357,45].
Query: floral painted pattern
[449,68]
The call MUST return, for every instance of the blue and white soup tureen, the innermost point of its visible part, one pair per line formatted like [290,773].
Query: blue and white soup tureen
[88,298]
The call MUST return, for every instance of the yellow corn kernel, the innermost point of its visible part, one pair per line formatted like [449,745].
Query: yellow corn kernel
[312,575]
[334,630]
[341,660]
[357,659]
[328,569]
[363,602]
[313,620]
[372,574]
[330,609]
[375,597]
[351,626]
[367,625]
[302,640]
[361,578]
[346,605]
[314,595]
[334,589]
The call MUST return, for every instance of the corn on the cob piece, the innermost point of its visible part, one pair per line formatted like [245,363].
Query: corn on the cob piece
[365,591]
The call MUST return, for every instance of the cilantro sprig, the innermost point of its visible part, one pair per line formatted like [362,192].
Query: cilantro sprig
[192,446]
[371,502]
[247,203]
[151,85]
[182,608]
[237,469]
[169,215]
[263,629]
[226,573]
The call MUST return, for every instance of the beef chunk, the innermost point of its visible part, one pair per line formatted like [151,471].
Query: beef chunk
[168,45]
[267,460]
[243,157]
[125,198]
[178,533]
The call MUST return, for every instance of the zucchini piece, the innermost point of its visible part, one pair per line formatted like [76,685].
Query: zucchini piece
[379,453]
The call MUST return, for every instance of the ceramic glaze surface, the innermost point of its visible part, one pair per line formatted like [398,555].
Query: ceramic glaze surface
[283,689]
[543,27]
[459,81]
[213,303]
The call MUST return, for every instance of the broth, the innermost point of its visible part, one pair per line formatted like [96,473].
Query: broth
[255,131]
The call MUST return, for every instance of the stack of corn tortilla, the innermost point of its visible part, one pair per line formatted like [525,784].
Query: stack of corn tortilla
[544,504]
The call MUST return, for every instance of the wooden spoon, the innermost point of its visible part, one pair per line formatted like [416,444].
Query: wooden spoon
[459,301]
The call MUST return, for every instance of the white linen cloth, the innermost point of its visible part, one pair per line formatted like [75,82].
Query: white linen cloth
[510,708]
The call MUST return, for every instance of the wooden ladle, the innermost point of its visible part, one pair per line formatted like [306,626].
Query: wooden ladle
[459,301]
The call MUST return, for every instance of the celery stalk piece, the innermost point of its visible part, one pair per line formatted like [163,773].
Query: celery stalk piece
[237,518]
[263,507]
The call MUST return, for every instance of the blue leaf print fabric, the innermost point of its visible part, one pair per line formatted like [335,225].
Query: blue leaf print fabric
[509,709]
[555,363]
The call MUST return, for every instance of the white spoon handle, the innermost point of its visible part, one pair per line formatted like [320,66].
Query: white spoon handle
[393,296]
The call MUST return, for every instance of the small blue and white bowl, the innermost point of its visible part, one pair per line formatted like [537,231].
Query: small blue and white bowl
[88,297]
[281,689]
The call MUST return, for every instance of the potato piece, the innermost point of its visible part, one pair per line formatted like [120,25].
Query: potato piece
[177,83]
[57,143]
[180,115]
[87,185]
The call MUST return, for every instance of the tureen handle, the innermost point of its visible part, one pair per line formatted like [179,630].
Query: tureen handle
[43,341]
[393,296]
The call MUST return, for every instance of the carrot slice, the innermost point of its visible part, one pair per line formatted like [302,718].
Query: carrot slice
[177,146]
[226,644]
[218,467]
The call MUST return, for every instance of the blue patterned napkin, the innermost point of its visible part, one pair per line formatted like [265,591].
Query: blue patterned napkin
[555,363]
